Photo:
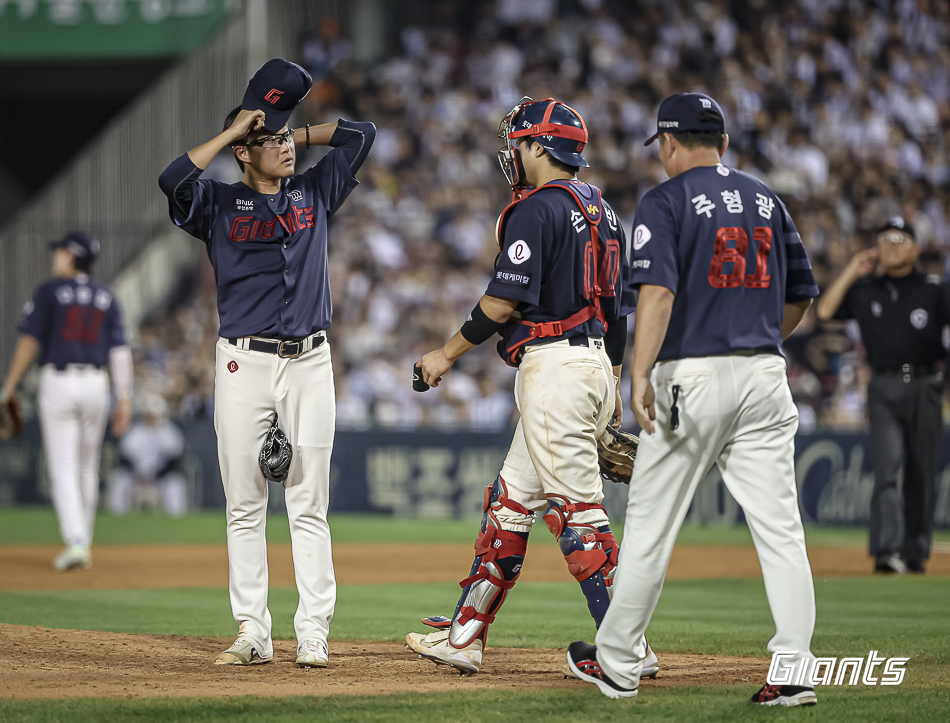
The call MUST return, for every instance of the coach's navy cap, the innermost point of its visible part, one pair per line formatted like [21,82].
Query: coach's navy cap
[276,89]
[81,245]
[898,223]
[688,112]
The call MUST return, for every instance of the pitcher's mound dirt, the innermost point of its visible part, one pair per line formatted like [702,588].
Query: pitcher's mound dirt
[44,663]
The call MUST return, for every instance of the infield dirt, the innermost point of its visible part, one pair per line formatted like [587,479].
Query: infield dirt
[38,662]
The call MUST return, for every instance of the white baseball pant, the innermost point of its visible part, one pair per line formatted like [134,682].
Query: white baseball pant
[73,409]
[566,397]
[737,412]
[249,387]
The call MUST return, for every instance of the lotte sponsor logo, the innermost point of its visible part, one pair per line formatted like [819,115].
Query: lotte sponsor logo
[232,366]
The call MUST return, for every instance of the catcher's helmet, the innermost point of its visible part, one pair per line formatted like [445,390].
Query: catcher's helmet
[557,127]
[276,454]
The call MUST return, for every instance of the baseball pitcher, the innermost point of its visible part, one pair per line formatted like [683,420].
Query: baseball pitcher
[266,237]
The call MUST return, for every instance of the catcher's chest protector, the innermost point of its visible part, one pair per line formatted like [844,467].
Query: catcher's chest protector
[601,266]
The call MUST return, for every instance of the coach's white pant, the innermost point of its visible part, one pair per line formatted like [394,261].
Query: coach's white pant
[736,412]
[565,395]
[73,408]
[301,392]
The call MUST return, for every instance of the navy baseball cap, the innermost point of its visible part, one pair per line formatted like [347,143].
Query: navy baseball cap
[81,245]
[688,112]
[898,223]
[276,89]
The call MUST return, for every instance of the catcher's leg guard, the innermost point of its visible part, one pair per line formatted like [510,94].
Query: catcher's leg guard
[583,534]
[499,555]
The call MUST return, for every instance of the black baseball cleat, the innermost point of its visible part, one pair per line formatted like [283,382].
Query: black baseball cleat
[582,660]
[890,564]
[785,695]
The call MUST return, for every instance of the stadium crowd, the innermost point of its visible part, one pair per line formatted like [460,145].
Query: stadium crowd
[841,106]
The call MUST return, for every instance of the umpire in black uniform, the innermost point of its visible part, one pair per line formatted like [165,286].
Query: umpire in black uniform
[902,314]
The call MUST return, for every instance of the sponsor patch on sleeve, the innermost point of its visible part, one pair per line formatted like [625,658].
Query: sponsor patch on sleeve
[513,278]
[640,236]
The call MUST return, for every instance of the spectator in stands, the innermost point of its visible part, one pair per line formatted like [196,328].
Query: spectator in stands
[149,473]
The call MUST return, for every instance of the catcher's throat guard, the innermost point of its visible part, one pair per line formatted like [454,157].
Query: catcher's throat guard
[276,454]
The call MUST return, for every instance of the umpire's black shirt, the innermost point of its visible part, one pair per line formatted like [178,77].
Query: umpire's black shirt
[901,320]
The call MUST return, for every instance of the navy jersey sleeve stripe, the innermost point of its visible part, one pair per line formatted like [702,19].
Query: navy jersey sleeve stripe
[354,140]
[180,182]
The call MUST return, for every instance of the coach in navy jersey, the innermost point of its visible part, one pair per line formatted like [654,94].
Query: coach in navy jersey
[73,325]
[266,237]
[723,279]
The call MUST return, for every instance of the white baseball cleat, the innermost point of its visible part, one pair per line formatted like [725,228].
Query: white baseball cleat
[313,653]
[73,557]
[243,651]
[436,647]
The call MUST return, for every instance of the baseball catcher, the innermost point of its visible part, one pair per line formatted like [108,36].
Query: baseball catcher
[558,299]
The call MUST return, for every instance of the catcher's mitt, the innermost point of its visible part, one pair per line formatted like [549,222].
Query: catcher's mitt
[276,454]
[617,452]
[11,421]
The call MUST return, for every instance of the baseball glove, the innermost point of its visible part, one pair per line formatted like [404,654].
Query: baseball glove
[617,452]
[276,454]
[11,421]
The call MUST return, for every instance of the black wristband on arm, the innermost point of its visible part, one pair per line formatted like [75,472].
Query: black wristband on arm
[615,341]
[480,328]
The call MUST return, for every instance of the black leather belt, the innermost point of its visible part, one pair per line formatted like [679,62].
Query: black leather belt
[284,348]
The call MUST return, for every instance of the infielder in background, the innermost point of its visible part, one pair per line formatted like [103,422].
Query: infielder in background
[149,470]
[266,237]
[902,314]
[558,298]
[723,279]
[74,325]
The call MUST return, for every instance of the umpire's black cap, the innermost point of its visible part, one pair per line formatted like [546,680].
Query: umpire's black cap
[276,89]
[79,244]
[688,112]
[898,223]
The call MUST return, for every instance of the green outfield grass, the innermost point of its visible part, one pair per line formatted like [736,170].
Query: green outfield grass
[37,526]
[907,616]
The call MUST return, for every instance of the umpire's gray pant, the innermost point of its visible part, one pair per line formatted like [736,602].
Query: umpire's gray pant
[906,426]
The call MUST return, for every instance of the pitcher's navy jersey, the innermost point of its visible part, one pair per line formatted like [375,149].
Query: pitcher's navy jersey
[726,246]
[269,252]
[76,321]
[544,262]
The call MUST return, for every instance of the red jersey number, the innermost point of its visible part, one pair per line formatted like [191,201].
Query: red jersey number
[724,254]
[82,324]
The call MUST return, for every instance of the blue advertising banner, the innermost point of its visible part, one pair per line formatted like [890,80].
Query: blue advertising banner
[443,474]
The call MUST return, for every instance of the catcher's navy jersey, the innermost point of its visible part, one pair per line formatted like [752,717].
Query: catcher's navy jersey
[544,261]
[76,321]
[269,252]
[727,247]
